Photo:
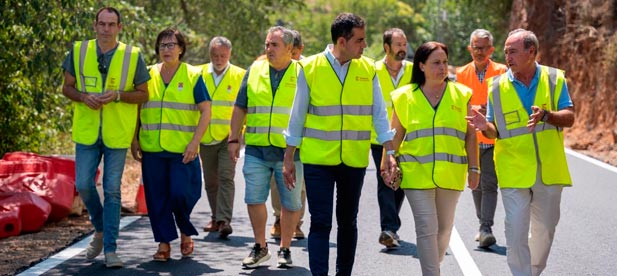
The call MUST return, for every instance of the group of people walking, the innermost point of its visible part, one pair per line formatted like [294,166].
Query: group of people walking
[308,125]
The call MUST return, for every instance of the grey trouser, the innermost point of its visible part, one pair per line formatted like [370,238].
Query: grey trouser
[219,172]
[485,196]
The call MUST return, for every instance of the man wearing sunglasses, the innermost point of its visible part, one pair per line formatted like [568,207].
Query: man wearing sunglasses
[106,80]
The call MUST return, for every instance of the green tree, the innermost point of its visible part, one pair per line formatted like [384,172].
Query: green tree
[314,20]
[33,35]
[244,22]
[452,21]
[36,36]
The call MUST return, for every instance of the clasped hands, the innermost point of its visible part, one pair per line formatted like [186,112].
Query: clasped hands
[97,101]
[391,173]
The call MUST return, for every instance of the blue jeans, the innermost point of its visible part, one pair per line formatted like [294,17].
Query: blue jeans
[320,183]
[105,218]
[390,201]
[257,174]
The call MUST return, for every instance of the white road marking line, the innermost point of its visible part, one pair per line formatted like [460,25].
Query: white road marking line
[465,262]
[70,252]
[591,160]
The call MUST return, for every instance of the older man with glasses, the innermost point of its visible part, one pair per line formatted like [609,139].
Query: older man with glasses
[106,80]
[474,75]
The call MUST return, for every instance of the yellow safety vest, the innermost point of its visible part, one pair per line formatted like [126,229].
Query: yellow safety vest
[519,154]
[268,116]
[170,117]
[433,153]
[118,119]
[340,115]
[387,86]
[223,99]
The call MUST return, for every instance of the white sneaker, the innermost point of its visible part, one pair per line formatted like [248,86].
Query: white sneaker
[112,260]
[95,247]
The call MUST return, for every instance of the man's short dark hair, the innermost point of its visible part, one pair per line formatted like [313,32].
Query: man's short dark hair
[297,39]
[108,9]
[344,24]
[387,35]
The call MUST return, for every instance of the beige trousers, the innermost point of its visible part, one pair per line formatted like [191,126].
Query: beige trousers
[536,208]
[433,213]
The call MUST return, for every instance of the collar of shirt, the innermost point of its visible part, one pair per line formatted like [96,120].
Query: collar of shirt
[339,69]
[397,79]
[211,70]
[533,83]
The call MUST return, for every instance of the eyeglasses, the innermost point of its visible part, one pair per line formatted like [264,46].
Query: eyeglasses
[480,49]
[101,61]
[167,46]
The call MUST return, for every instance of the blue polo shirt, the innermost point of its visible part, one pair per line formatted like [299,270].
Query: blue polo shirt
[528,94]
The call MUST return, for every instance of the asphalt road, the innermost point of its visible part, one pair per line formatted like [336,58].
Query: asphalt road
[584,243]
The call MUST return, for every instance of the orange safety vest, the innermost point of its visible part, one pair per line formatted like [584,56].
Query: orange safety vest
[467,76]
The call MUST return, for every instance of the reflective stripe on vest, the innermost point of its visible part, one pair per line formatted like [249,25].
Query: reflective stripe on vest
[433,152]
[170,117]
[387,86]
[339,120]
[118,119]
[268,116]
[519,153]
[223,99]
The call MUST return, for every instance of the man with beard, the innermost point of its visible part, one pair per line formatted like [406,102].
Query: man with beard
[223,80]
[393,71]
[474,75]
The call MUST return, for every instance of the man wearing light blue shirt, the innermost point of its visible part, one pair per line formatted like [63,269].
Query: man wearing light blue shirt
[527,110]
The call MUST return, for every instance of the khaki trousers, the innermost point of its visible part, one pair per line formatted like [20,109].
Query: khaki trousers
[536,208]
[433,213]
[218,172]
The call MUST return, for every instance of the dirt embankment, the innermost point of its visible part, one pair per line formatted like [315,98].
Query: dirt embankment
[579,37]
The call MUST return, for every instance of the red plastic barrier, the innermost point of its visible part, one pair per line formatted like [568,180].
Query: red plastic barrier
[10,224]
[60,165]
[36,176]
[33,210]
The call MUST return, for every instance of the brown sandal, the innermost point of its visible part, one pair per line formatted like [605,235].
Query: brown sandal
[162,255]
[186,248]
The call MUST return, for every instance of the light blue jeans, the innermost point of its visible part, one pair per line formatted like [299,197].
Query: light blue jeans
[257,174]
[105,218]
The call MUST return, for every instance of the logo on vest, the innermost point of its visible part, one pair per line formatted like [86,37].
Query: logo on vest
[180,86]
[228,88]
[455,108]
[358,78]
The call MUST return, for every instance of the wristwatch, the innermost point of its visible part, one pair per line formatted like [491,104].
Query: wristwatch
[545,116]
[390,152]
[117,96]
